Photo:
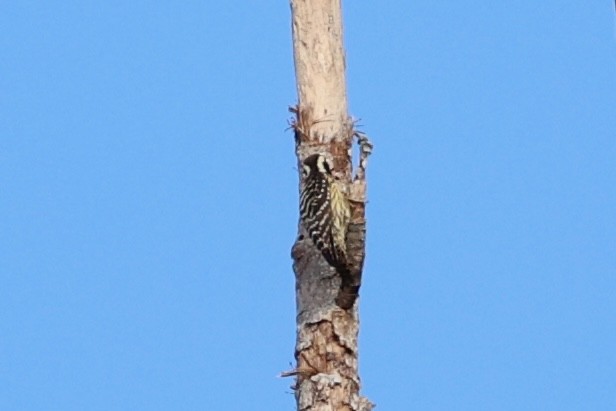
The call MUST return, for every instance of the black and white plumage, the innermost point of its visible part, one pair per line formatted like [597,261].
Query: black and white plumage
[324,210]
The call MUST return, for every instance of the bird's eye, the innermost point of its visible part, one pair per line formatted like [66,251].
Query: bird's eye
[326,167]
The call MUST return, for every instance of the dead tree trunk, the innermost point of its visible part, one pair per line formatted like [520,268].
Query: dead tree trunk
[327,313]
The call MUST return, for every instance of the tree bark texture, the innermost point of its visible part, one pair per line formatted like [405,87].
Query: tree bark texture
[327,314]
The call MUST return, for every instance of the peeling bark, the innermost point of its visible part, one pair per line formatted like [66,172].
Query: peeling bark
[327,308]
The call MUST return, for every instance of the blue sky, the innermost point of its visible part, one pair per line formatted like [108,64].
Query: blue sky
[149,203]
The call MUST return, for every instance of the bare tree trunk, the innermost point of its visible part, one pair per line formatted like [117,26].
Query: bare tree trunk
[327,313]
